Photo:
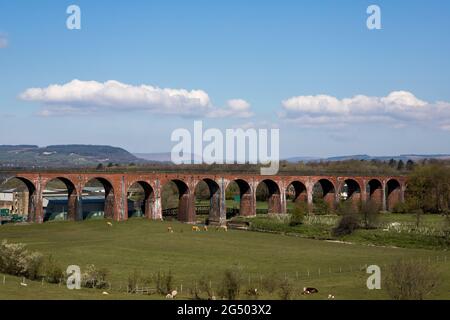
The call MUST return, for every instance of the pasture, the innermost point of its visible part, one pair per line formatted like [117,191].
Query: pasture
[146,246]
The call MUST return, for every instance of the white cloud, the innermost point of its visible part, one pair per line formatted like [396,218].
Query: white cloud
[235,108]
[3,41]
[87,97]
[398,108]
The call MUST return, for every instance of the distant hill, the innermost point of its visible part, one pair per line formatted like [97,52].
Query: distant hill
[63,155]
[404,157]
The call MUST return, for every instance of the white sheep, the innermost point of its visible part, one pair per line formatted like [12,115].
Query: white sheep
[109,224]
[169,296]
[174,293]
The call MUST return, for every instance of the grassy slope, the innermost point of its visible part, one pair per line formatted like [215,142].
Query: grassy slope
[146,245]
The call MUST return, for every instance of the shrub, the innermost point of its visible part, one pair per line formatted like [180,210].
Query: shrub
[346,208]
[203,289]
[164,282]
[53,273]
[16,260]
[231,284]
[410,280]
[270,283]
[346,225]
[401,207]
[95,278]
[134,280]
[298,214]
[286,289]
[321,207]
[370,214]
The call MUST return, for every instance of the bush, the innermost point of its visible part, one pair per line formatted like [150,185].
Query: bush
[346,225]
[298,214]
[164,282]
[270,283]
[370,214]
[95,278]
[401,207]
[344,208]
[410,280]
[16,260]
[286,289]
[321,207]
[231,283]
[203,289]
[53,273]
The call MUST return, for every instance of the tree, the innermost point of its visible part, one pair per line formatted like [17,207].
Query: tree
[392,163]
[369,212]
[409,165]
[400,165]
[100,166]
[410,280]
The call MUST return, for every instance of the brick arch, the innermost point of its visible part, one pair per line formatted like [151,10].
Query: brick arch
[300,190]
[328,190]
[215,198]
[186,205]
[375,192]
[274,199]
[72,196]
[34,199]
[147,205]
[109,206]
[247,203]
[393,193]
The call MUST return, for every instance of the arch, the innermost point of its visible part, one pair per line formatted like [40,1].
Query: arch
[324,190]
[33,207]
[393,193]
[214,198]
[375,192]
[143,203]
[246,200]
[273,196]
[92,206]
[70,203]
[186,205]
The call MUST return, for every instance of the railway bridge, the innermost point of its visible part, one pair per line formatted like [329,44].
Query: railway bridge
[386,191]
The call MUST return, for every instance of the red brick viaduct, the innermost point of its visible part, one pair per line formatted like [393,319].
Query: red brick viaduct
[384,190]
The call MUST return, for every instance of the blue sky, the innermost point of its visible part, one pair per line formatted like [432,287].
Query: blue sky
[295,65]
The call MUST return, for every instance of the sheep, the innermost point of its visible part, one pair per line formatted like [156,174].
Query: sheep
[309,290]
[195,228]
[205,228]
[109,224]
[169,296]
[105,293]
[23,284]
[330,296]
[169,230]
[174,293]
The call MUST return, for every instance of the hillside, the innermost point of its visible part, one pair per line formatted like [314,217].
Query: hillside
[63,155]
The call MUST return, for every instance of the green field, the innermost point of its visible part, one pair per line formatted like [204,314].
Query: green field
[143,245]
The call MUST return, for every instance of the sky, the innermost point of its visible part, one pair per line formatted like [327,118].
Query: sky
[138,70]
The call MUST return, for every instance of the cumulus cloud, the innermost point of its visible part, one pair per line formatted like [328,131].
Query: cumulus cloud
[3,41]
[87,97]
[234,108]
[398,108]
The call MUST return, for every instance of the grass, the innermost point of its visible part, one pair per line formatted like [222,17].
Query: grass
[143,245]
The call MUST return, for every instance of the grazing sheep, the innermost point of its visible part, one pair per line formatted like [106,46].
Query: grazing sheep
[23,284]
[195,228]
[309,290]
[109,224]
[105,293]
[330,296]
[169,230]
[169,296]
[174,293]
[205,228]
[224,228]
